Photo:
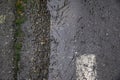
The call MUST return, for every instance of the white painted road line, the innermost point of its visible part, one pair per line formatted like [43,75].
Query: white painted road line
[2,19]
[86,67]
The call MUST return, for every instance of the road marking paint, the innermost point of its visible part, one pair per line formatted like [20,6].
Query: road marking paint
[2,19]
[86,67]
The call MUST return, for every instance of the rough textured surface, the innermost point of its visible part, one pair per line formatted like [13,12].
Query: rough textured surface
[86,67]
[81,32]
[6,39]
[82,27]
[64,17]
[34,62]
[98,33]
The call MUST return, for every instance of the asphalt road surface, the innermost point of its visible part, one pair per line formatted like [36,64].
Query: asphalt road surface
[63,40]
[85,40]
[6,39]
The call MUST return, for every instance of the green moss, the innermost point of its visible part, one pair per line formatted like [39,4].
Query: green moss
[19,21]
[25,1]
[18,46]
[19,7]
[17,56]
[18,35]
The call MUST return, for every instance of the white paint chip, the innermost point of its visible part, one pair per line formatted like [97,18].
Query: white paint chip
[86,67]
[2,19]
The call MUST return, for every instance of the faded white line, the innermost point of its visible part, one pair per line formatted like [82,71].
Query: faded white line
[2,19]
[86,67]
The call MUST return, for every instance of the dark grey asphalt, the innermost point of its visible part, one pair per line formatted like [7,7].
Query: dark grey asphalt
[81,27]
[6,39]
[85,36]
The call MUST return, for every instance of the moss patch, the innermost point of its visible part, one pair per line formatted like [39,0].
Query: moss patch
[20,20]
[18,34]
